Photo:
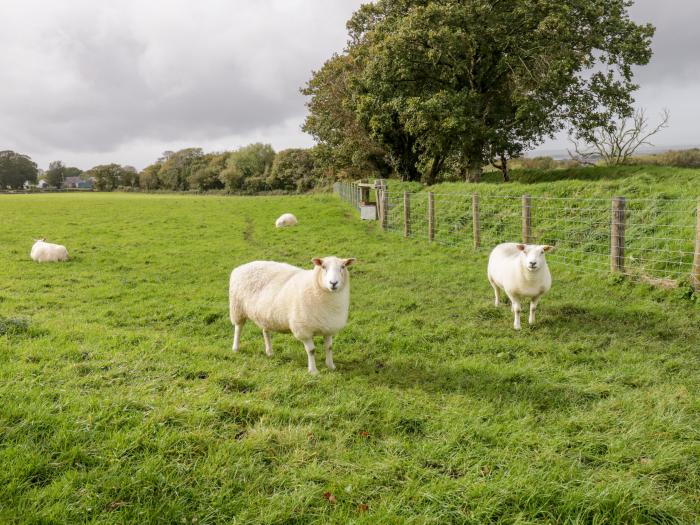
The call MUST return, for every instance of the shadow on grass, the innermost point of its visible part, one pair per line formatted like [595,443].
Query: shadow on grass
[505,386]
[607,320]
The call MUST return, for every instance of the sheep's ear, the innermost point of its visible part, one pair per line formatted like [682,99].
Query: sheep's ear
[548,247]
[348,262]
[520,247]
[317,261]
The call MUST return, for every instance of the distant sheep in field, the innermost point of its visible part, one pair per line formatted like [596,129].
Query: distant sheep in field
[286,219]
[521,271]
[280,297]
[48,252]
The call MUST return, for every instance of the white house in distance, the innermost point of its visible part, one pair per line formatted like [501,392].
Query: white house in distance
[41,184]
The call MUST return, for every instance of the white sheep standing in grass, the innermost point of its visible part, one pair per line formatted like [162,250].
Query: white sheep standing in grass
[43,251]
[521,271]
[279,297]
[286,219]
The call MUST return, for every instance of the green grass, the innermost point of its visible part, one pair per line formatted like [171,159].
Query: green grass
[571,208]
[123,403]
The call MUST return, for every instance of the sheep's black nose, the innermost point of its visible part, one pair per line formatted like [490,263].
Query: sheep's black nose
[334,283]
[533,264]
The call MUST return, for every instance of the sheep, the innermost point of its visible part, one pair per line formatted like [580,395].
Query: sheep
[286,219]
[279,297]
[48,252]
[521,271]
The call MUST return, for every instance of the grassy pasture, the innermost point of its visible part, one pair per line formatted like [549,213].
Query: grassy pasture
[123,403]
[572,209]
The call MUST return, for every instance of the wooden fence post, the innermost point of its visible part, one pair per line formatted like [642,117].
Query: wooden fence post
[385,208]
[406,214]
[431,216]
[475,220]
[617,235]
[527,220]
[695,277]
[382,202]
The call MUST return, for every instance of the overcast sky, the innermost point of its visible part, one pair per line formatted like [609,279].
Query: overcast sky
[91,82]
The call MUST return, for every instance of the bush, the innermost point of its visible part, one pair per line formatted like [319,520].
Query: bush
[255,184]
[538,163]
[293,170]
[685,158]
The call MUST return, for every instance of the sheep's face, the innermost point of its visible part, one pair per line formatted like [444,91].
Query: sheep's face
[532,255]
[334,273]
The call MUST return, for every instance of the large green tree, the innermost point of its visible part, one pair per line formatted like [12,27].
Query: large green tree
[344,143]
[470,80]
[206,177]
[148,178]
[109,177]
[177,167]
[15,169]
[293,170]
[252,161]
[55,174]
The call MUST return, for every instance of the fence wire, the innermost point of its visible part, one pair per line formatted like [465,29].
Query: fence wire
[659,233]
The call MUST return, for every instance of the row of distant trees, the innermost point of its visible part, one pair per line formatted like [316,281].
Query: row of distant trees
[251,169]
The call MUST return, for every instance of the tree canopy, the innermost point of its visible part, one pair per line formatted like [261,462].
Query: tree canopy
[15,169]
[471,80]
[56,174]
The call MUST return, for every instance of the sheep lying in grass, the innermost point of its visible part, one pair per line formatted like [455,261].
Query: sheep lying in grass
[286,219]
[48,252]
[521,271]
[279,297]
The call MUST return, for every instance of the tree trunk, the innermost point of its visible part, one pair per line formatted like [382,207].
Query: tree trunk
[474,169]
[435,168]
[504,169]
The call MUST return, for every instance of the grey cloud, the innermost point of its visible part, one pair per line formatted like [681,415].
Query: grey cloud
[676,43]
[89,81]
[94,77]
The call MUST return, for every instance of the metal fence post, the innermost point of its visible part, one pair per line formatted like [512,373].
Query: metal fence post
[406,214]
[431,216]
[527,220]
[617,235]
[475,220]
[695,276]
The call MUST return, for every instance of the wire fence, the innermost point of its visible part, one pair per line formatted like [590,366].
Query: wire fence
[655,240]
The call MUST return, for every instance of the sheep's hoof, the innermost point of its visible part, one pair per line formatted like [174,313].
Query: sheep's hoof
[330,366]
[516,328]
[313,372]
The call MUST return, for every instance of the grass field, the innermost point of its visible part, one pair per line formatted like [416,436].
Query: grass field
[571,208]
[123,403]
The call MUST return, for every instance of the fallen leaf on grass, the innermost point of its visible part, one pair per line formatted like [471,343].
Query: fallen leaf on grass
[362,507]
[363,433]
[330,497]
[115,505]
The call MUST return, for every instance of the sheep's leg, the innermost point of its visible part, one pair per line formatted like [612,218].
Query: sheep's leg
[515,305]
[237,336]
[495,292]
[268,342]
[533,307]
[327,344]
[310,352]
